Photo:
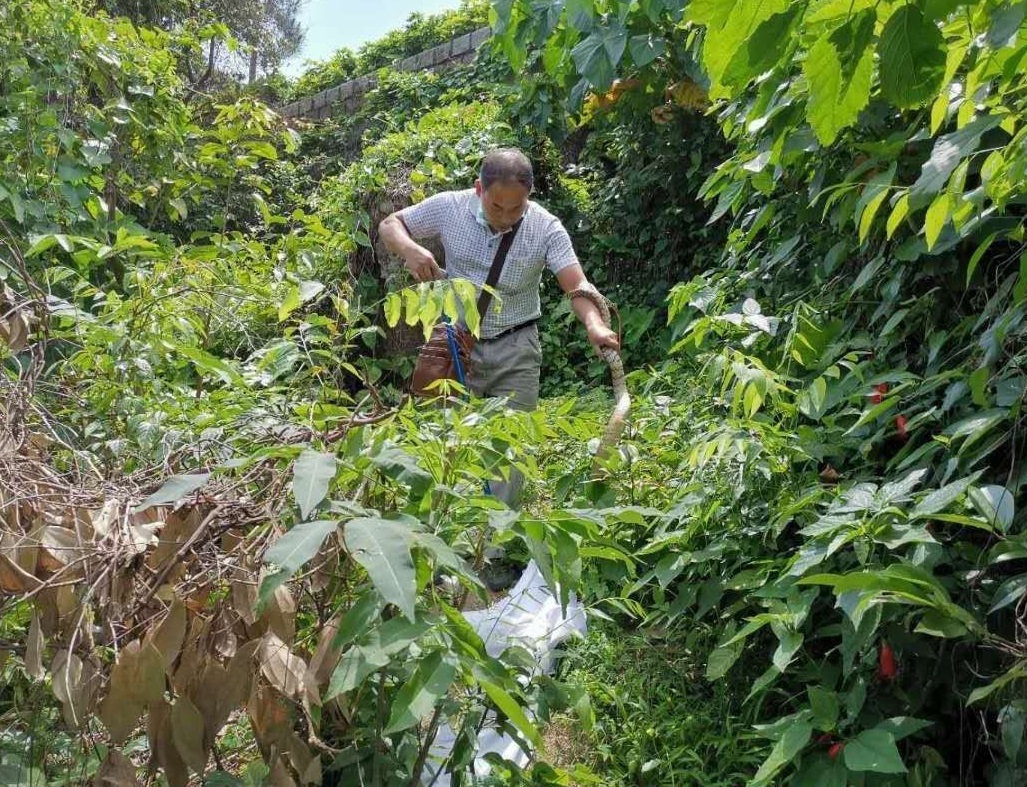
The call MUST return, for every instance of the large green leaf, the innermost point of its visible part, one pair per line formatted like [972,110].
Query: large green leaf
[724,41]
[300,544]
[311,476]
[429,683]
[763,49]
[509,706]
[839,70]
[174,489]
[598,55]
[873,750]
[382,547]
[912,53]
[790,744]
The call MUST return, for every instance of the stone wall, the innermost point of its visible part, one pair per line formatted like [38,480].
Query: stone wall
[349,94]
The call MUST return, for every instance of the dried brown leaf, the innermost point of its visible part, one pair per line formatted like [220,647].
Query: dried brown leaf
[280,775]
[326,657]
[67,687]
[280,614]
[187,730]
[269,717]
[162,745]
[283,669]
[34,648]
[120,711]
[169,636]
[238,682]
[116,770]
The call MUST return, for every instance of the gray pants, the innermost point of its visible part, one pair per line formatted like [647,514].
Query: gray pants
[508,367]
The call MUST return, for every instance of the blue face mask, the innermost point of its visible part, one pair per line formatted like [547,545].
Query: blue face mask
[481,216]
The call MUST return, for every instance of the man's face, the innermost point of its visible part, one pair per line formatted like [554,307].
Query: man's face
[503,203]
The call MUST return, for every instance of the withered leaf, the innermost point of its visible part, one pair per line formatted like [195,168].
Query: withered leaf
[187,731]
[67,686]
[326,657]
[162,745]
[269,718]
[116,770]
[34,648]
[280,614]
[167,638]
[239,681]
[120,711]
[280,776]
[283,669]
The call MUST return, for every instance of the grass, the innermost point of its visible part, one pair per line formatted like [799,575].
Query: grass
[657,721]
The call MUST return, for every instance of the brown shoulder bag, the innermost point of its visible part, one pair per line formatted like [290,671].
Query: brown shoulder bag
[447,353]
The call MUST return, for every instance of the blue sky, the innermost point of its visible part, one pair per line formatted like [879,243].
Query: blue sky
[333,24]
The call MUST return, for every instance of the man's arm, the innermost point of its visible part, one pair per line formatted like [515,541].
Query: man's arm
[417,259]
[571,278]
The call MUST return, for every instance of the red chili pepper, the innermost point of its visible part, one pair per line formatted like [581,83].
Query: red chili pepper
[835,750]
[879,391]
[900,425]
[887,667]
[825,738]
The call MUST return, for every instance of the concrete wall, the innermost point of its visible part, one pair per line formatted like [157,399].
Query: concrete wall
[350,94]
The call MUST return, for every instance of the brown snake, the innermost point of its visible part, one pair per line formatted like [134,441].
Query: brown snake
[622,401]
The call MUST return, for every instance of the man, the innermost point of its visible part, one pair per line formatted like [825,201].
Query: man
[507,358]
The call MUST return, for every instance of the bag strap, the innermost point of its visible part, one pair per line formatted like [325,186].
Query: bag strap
[497,268]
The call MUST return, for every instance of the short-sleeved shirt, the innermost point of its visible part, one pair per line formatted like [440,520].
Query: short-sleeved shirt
[541,242]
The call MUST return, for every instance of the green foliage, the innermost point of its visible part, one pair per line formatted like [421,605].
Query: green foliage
[845,480]
[653,720]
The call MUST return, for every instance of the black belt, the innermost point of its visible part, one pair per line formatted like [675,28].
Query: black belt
[508,331]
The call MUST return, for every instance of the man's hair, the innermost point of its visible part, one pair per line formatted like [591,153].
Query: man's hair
[506,165]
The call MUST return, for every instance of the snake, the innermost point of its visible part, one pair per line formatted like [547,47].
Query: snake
[622,400]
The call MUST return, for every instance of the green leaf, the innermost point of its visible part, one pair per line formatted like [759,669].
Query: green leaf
[995,504]
[646,48]
[763,49]
[508,705]
[836,95]
[979,252]
[1009,592]
[722,659]
[949,150]
[581,14]
[382,547]
[393,308]
[598,55]
[866,220]
[940,499]
[289,303]
[207,363]
[300,544]
[903,726]
[311,477]
[791,743]
[353,668]
[739,24]
[174,489]
[912,53]
[430,682]
[898,214]
[936,218]
[873,750]
[825,707]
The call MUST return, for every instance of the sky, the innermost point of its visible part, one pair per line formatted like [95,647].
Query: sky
[333,24]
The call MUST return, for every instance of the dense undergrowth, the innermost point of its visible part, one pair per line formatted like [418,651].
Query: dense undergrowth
[810,547]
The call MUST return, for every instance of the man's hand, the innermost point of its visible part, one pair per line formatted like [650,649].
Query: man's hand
[600,336]
[421,264]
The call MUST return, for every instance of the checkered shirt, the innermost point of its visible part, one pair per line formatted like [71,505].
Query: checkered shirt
[541,242]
